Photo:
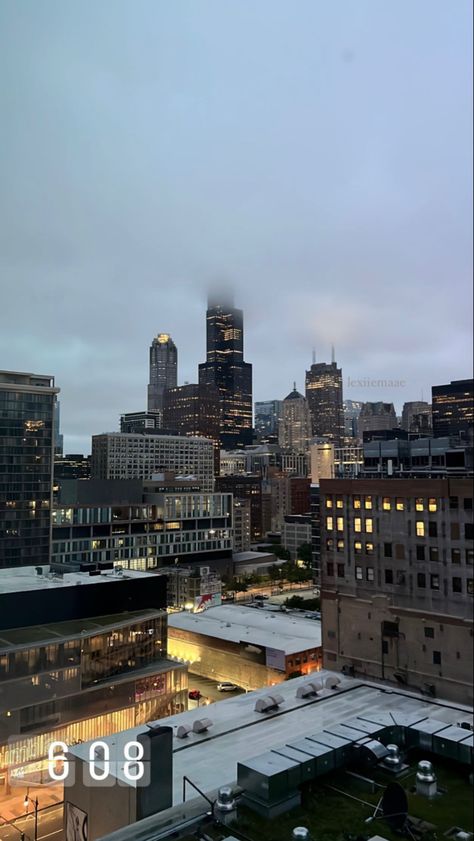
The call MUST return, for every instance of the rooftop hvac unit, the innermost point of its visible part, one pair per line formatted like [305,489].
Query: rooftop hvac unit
[201,725]
[332,682]
[204,570]
[267,703]
[183,731]
[308,690]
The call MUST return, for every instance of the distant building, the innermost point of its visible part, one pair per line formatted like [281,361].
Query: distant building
[194,410]
[411,413]
[295,423]
[58,438]
[296,532]
[72,466]
[352,410]
[453,409]
[117,455]
[27,428]
[433,457]
[397,562]
[324,396]
[377,416]
[246,488]
[348,459]
[226,370]
[322,455]
[242,525]
[163,370]
[288,495]
[192,588]
[267,417]
[141,422]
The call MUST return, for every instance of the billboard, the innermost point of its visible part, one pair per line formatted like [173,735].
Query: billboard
[207,600]
[275,659]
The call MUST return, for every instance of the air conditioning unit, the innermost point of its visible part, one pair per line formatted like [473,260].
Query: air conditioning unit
[204,571]
[201,725]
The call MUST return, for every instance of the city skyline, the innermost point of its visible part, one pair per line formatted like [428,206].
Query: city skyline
[325,171]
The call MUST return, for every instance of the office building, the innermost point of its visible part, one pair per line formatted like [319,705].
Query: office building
[294,431]
[397,561]
[296,532]
[412,414]
[194,410]
[141,525]
[324,396]
[431,457]
[242,525]
[27,412]
[377,417]
[226,370]
[117,455]
[288,495]
[352,409]
[144,423]
[248,647]
[192,588]
[453,409]
[82,656]
[246,488]
[72,466]
[163,370]
[267,417]
[58,438]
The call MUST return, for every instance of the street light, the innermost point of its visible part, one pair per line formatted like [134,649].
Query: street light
[10,823]
[28,800]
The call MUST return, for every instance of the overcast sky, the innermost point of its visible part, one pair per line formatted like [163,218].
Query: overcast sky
[316,155]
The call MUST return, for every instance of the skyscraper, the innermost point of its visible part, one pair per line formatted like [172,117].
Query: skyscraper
[163,370]
[225,368]
[375,417]
[194,410]
[27,409]
[295,423]
[324,396]
[453,409]
[411,412]
[267,416]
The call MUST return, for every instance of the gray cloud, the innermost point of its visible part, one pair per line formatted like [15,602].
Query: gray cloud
[317,156]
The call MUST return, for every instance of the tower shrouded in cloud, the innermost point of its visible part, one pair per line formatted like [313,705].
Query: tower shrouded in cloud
[225,368]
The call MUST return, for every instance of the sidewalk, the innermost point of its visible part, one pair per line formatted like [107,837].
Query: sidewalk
[12,806]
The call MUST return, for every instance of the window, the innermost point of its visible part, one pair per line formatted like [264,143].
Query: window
[369,525]
[420,528]
[420,553]
[340,523]
[469,531]
[470,557]
[437,658]
[357,524]
[331,635]
[330,569]
[400,504]
[421,579]
[369,573]
[384,646]
[455,556]
[455,531]
[470,586]
[329,503]
[434,580]
[434,553]
[358,573]
[399,551]
[419,504]
[386,504]
[329,523]
[468,503]
[368,503]
[453,502]
[330,544]
[457,585]
[432,505]
[429,633]
[432,529]
[369,548]
[340,570]
[387,550]
[339,502]
[340,546]
[389,576]
[356,502]
[357,547]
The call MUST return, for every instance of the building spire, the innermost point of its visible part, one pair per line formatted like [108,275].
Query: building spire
[294,385]
[333,354]
[314,356]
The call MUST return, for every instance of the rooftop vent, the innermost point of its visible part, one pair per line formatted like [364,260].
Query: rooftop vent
[183,731]
[332,682]
[267,703]
[309,690]
[300,833]
[201,725]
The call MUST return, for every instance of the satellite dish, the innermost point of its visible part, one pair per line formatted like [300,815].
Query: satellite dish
[395,806]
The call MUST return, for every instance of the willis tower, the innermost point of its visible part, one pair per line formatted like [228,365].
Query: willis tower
[225,368]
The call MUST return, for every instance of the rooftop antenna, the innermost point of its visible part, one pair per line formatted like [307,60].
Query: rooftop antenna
[333,354]
[314,356]
[294,385]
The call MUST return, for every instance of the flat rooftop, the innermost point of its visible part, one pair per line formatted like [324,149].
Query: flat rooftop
[22,579]
[70,629]
[286,632]
[238,733]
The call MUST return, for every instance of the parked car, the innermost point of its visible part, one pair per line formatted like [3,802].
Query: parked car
[226,686]
[194,695]
[260,598]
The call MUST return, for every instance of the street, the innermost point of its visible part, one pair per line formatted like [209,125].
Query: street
[208,690]
[50,825]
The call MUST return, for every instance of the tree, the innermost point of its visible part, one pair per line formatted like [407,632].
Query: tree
[280,552]
[305,554]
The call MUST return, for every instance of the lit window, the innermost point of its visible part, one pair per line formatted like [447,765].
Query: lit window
[339,502]
[357,524]
[340,546]
[357,547]
[330,544]
[369,548]
[400,504]
[329,523]
[420,528]
[419,504]
[369,573]
[340,523]
[358,573]
[432,505]
[329,503]
[357,502]
[368,503]
[369,525]
[386,504]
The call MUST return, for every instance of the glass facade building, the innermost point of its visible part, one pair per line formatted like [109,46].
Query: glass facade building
[324,396]
[453,409]
[27,409]
[163,370]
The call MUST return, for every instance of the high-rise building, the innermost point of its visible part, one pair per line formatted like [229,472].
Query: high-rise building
[27,407]
[194,409]
[58,438]
[294,431]
[144,422]
[397,565]
[375,417]
[225,368]
[163,370]
[453,409]
[118,455]
[267,416]
[246,488]
[324,396]
[411,412]
[352,409]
